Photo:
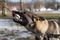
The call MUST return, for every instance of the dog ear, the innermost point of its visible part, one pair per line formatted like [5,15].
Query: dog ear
[41,18]
[34,19]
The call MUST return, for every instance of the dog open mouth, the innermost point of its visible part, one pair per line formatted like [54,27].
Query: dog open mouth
[17,17]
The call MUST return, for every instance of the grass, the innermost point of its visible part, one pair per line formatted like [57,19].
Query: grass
[7,15]
[50,15]
[46,15]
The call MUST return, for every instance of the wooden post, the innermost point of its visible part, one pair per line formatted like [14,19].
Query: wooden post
[21,5]
[3,7]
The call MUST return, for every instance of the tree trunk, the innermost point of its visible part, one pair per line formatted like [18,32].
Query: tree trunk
[3,7]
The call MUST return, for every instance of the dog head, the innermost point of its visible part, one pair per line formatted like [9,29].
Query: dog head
[38,18]
[19,17]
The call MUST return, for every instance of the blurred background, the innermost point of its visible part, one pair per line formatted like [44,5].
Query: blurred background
[9,30]
[36,6]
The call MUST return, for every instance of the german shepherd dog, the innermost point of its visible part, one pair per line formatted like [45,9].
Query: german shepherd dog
[36,24]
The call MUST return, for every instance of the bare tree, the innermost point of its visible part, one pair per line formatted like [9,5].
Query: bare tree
[21,5]
[3,7]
